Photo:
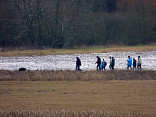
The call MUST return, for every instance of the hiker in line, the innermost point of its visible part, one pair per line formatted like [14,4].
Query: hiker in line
[78,63]
[134,64]
[139,63]
[113,62]
[110,65]
[98,62]
[129,62]
[104,63]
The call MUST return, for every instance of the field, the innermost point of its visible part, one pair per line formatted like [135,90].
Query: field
[25,52]
[110,98]
[71,93]
[76,75]
[118,93]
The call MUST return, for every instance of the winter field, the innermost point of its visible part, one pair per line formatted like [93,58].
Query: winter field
[51,87]
[67,61]
[115,98]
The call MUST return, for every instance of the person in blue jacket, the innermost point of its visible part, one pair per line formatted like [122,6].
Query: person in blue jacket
[103,64]
[129,62]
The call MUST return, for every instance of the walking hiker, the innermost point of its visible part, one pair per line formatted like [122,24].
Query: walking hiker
[113,62]
[134,64]
[129,62]
[139,63]
[78,63]
[110,65]
[98,62]
[103,65]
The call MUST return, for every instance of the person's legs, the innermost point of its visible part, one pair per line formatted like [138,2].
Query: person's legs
[99,66]
[113,67]
[79,68]
[103,68]
[129,66]
[139,66]
[110,67]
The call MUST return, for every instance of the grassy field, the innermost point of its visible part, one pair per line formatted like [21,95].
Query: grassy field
[66,98]
[118,93]
[23,52]
[77,75]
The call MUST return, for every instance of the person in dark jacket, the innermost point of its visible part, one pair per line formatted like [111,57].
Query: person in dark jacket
[113,62]
[110,65]
[98,62]
[78,63]
[134,64]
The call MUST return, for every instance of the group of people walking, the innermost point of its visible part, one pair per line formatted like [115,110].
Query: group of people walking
[135,64]
[101,65]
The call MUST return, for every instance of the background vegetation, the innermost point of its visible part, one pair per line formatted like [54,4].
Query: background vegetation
[74,23]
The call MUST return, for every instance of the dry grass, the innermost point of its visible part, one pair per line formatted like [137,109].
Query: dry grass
[17,52]
[76,75]
[78,98]
[65,113]
[78,94]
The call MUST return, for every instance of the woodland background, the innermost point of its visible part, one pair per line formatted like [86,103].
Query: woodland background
[76,23]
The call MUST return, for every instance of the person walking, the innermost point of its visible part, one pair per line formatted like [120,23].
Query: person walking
[113,62]
[110,65]
[129,63]
[139,63]
[78,63]
[134,64]
[103,65]
[98,62]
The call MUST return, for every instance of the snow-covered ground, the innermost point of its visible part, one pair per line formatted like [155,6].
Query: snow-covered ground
[67,62]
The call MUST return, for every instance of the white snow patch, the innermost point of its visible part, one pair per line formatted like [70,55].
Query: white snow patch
[68,61]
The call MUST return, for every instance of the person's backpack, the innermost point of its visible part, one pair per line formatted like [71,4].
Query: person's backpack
[105,63]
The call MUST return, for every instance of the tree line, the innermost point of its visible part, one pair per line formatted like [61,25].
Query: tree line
[76,23]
